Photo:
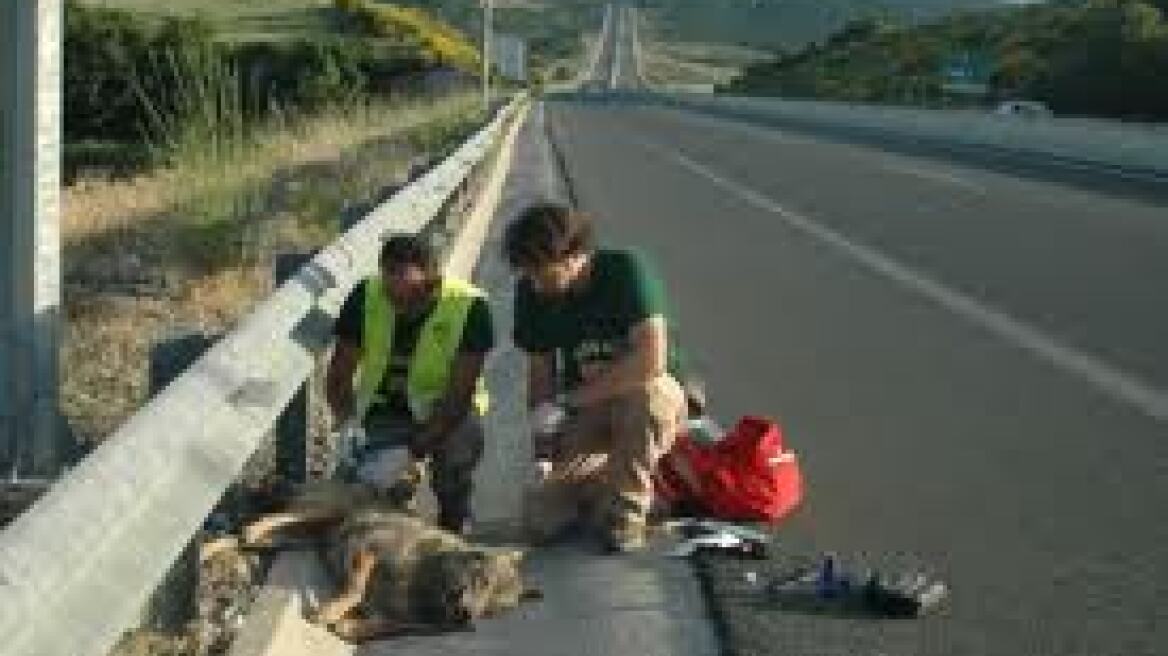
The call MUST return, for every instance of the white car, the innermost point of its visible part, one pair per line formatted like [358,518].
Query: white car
[1027,108]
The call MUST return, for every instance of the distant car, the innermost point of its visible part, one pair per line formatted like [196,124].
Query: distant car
[1027,108]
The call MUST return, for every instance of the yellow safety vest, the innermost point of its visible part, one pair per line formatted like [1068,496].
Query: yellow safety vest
[433,358]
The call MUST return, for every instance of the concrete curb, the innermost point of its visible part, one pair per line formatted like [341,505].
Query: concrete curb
[275,624]
[465,252]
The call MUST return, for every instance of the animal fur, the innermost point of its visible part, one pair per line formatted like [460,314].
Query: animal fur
[398,573]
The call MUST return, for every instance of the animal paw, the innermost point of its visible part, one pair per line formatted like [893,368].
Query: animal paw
[218,546]
[329,613]
[254,535]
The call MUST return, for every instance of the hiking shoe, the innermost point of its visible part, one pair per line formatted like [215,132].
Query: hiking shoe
[625,534]
[907,595]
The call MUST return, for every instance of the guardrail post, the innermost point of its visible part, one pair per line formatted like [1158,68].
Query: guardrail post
[173,602]
[292,425]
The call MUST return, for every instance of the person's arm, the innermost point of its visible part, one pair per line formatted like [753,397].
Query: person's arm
[346,355]
[541,378]
[451,410]
[339,379]
[646,359]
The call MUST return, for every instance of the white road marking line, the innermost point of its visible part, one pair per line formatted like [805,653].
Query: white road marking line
[1117,384]
[638,56]
[547,169]
[591,71]
[616,51]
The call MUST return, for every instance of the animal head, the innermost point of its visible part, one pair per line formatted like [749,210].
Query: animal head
[463,586]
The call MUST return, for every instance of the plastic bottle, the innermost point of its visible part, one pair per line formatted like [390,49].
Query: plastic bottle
[704,430]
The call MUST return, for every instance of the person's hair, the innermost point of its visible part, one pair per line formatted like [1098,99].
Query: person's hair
[546,232]
[409,250]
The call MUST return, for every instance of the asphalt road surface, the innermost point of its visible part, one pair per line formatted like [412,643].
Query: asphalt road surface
[971,365]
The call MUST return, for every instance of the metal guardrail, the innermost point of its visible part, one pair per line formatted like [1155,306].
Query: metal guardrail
[77,567]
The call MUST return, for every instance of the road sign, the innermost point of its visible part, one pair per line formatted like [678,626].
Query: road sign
[966,72]
[509,54]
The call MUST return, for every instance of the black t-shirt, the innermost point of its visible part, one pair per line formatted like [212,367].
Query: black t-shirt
[478,336]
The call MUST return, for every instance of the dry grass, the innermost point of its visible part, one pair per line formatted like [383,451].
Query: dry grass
[107,340]
[97,205]
[667,63]
[145,643]
[147,255]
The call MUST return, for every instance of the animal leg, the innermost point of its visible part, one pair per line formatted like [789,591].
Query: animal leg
[364,629]
[212,548]
[360,569]
[260,531]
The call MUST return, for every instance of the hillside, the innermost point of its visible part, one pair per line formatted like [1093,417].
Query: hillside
[775,24]
[553,28]
[1097,57]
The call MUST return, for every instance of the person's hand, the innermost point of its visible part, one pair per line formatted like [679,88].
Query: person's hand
[547,418]
[351,439]
[541,470]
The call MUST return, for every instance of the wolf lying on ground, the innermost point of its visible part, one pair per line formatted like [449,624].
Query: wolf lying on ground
[398,574]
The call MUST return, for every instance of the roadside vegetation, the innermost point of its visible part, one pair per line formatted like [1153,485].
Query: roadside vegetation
[203,156]
[1084,57]
[203,139]
[784,24]
[668,63]
[551,28]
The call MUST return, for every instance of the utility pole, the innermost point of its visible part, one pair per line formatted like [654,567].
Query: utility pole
[31,439]
[488,28]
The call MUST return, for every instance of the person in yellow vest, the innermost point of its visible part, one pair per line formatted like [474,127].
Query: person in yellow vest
[408,364]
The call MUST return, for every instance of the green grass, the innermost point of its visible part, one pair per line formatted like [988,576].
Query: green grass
[243,20]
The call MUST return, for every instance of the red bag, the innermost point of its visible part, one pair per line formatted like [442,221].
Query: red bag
[747,476]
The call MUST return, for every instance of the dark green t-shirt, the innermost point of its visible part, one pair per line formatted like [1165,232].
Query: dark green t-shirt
[592,324]
[478,336]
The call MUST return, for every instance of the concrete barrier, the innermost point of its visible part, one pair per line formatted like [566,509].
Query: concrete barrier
[1131,149]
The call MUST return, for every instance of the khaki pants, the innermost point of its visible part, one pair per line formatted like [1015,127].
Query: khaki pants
[452,465]
[604,463]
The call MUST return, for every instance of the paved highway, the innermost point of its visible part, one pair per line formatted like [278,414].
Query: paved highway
[972,365]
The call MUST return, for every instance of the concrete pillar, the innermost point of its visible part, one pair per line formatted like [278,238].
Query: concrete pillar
[32,443]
